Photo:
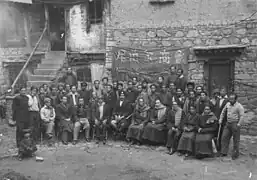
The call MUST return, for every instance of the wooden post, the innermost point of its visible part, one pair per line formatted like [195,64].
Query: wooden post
[27,29]
[47,25]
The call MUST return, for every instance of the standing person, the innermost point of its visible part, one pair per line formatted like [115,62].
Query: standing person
[54,96]
[187,140]
[199,90]
[202,102]
[140,118]
[164,96]
[73,96]
[190,101]
[82,120]
[105,82]
[142,94]
[220,104]
[84,93]
[67,89]
[181,81]
[96,88]
[175,127]
[41,96]
[173,75]
[110,98]
[206,129]
[135,83]
[70,77]
[160,83]
[215,97]
[34,115]
[101,118]
[180,97]
[235,112]
[131,94]
[47,114]
[66,115]
[153,96]
[21,114]
[190,87]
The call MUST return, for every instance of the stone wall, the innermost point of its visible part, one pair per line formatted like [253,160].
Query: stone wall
[78,38]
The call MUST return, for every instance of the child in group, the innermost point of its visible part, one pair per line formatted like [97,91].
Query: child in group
[27,147]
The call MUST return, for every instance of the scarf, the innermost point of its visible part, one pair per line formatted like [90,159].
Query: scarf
[161,110]
[142,110]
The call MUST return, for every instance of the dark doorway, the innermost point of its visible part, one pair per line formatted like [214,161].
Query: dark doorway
[57,28]
[221,74]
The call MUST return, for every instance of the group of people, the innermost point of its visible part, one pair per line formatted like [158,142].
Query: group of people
[171,111]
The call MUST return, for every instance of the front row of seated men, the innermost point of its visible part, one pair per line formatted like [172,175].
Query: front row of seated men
[191,134]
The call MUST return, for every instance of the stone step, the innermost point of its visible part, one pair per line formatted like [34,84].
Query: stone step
[45,71]
[41,77]
[49,66]
[37,83]
[52,61]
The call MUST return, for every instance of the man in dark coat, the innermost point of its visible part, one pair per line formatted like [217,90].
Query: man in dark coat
[66,115]
[131,94]
[122,113]
[181,80]
[21,114]
[173,75]
[70,77]
[110,98]
[84,93]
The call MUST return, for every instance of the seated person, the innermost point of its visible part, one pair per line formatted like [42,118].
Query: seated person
[101,117]
[140,118]
[175,120]
[122,114]
[82,120]
[47,114]
[187,140]
[155,130]
[27,147]
[206,129]
[66,115]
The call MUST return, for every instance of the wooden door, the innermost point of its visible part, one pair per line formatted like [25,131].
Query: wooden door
[220,75]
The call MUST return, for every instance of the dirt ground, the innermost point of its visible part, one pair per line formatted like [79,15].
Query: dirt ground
[118,161]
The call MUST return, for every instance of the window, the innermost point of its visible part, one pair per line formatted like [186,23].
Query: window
[96,11]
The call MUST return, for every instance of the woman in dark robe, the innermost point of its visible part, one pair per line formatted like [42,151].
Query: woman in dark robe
[20,109]
[139,119]
[155,131]
[187,140]
[206,129]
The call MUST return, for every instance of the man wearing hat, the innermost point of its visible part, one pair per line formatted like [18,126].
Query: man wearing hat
[122,113]
[47,114]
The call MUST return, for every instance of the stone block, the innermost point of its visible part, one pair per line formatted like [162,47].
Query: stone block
[150,44]
[179,34]
[192,33]
[162,33]
[245,41]
[151,34]
[187,43]
[243,77]
[241,31]
[198,41]
[166,43]
[210,42]
[227,31]
[224,41]
[254,42]
[234,40]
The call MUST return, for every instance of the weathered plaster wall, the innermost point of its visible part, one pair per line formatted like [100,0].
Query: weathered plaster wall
[139,13]
[19,53]
[78,39]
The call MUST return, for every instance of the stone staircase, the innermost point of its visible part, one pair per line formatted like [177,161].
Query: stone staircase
[47,69]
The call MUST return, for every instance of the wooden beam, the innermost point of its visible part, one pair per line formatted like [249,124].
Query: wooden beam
[47,25]
[27,29]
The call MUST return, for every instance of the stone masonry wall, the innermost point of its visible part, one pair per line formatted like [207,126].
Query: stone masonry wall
[189,23]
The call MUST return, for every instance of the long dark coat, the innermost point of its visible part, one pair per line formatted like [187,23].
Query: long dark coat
[20,115]
[203,140]
[64,112]
[157,132]
[187,140]
[139,120]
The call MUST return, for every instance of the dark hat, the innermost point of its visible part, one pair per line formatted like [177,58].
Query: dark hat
[47,99]
[26,130]
[83,84]
[191,84]
[216,91]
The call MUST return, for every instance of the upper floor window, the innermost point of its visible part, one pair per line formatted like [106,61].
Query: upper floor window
[96,11]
